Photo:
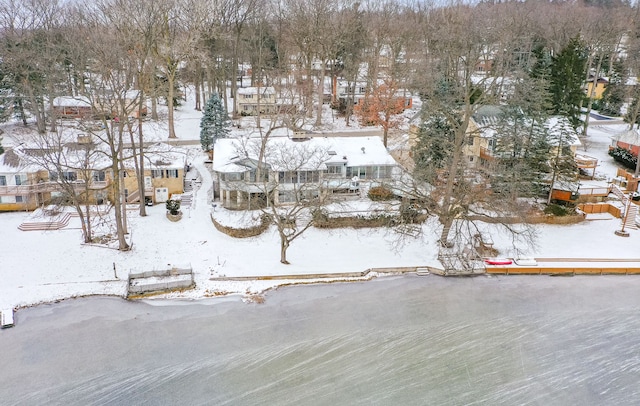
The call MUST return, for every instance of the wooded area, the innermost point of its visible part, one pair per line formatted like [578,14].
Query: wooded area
[533,58]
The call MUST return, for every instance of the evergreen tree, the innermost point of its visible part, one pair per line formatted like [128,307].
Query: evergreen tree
[568,70]
[613,96]
[564,171]
[215,123]
[523,153]
[434,146]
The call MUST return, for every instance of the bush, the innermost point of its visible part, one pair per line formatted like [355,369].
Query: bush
[558,210]
[378,193]
[624,156]
[173,206]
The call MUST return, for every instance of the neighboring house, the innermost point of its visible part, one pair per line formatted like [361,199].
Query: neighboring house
[321,165]
[132,100]
[163,175]
[629,140]
[251,101]
[600,85]
[27,182]
[484,136]
[343,90]
[81,107]
[72,107]
[21,184]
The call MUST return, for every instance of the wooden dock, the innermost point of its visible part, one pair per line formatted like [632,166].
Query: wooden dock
[571,266]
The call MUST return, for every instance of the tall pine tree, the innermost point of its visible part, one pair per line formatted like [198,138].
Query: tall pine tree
[568,70]
[215,123]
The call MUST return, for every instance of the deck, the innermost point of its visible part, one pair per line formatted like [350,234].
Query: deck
[571,266]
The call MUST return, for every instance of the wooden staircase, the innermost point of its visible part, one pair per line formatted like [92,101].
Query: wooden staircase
[134,197]
[60,222]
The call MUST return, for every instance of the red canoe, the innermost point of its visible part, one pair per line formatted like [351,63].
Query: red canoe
[498,261]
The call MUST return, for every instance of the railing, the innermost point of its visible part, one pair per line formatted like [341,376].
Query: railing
[586,162]
[13,190]
[486,154]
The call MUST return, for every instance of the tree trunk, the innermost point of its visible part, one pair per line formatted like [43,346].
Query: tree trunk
[21,112]
[118,204]
[86,237]
[447,222]
[37,110]
[320,96]
[171,81]
[138,157]
[86,224]
[198,79]
[52,117]
[446,217]
[284,244]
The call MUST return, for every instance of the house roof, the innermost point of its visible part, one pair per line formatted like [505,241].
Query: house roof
[601,79]
[285,154]
[631,137]
[71,101]
[28,158]
[488,115]
[254,90]
[161,156]
[9,161]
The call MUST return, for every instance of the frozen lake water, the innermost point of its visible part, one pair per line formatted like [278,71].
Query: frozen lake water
[407,340]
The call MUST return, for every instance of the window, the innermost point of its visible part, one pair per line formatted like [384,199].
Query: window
[172,173]
[470,140]
[21,179]
[19,199]
[70,176]
[232,177]
[287,177]
[3,180]
[470,159]
[253,176]
[334,169]
[157,173]
[99,176]
[385,171]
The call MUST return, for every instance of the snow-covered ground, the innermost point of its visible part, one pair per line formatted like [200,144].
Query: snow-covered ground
[43,266]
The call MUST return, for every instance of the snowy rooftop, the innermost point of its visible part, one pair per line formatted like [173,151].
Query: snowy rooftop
[631,137]
[255,90]
[354,151]
[71,101]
